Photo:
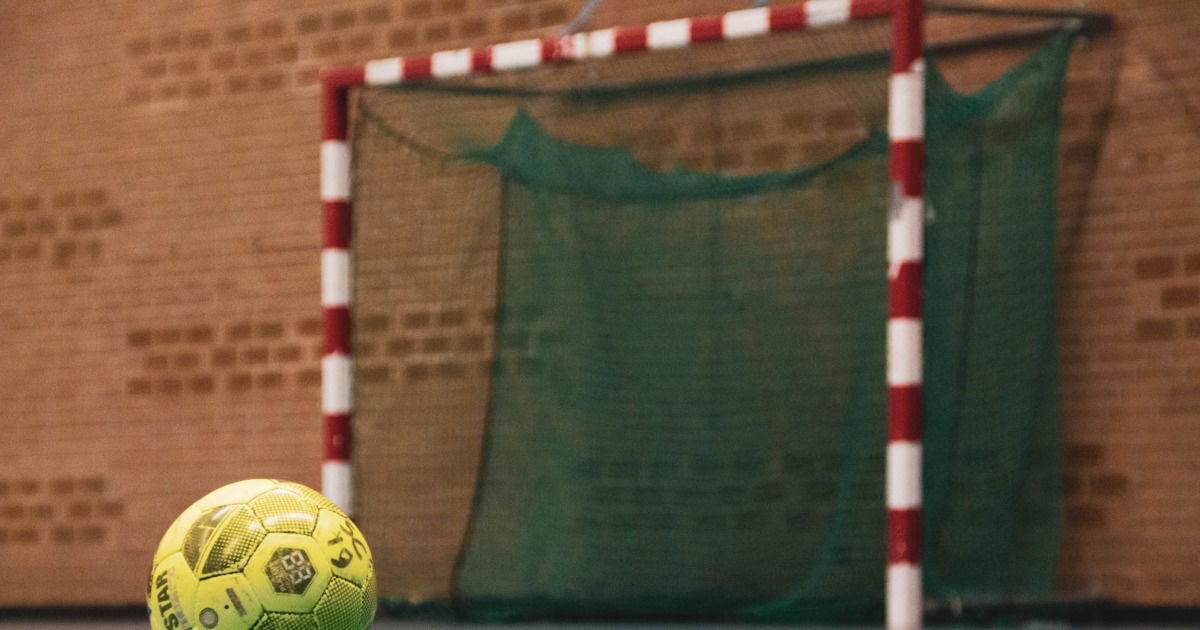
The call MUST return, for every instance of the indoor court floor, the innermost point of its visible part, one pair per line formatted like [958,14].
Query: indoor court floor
[138,623]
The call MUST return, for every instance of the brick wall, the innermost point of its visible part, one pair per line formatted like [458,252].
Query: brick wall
[158,261]
[1130,354]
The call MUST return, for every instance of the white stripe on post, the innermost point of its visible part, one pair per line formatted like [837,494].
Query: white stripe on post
[574,47]
[451,63]
[336,279]
[906,115]
[904,596]
[745,23]
[601,43]
[826,12]
[335,170]
[522,54]
[670,34]
[384,71]
[903,476]
[904,351]
[336,384]
[906,234]
[336,483]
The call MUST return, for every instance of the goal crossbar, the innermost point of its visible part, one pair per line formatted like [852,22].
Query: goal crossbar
[905,240]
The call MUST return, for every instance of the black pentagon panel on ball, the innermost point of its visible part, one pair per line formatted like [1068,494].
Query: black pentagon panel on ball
[235,543]
[286,621]
[290,570]
[282,511]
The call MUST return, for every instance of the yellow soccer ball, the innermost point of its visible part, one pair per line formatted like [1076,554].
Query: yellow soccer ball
[262,554]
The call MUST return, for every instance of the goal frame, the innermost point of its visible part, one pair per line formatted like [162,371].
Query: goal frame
[905,230]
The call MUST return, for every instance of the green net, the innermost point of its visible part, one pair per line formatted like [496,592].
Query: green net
[622,345]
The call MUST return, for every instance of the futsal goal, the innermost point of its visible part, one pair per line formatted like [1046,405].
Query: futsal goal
[642,335]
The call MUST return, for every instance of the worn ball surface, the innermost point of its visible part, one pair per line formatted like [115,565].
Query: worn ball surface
[262,554]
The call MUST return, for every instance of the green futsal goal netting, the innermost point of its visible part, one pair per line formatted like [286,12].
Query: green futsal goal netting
[620,335]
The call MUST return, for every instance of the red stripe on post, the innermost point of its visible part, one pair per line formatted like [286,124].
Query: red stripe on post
[337,228]
[344,76]
[787,18]
[556,49]
[337,437]
[864,9]
[630,39]
[333,112]
[481,60]
[705,29]
[904,413]
[906,34]
[337,325]
[904,536]
[335,86]
[904,291]
[908,164]
[416,68]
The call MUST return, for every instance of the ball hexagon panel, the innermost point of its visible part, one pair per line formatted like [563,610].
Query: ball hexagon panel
[227,602]
[285,512]
[234,493]
[314,497]
[289,573]
[290,570]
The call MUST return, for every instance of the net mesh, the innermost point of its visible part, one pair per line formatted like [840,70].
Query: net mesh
[621,336]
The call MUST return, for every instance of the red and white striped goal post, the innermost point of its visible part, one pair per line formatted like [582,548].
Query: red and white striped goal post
[906,122]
